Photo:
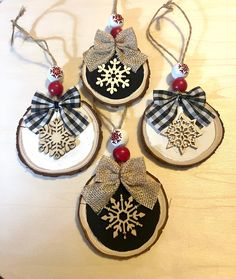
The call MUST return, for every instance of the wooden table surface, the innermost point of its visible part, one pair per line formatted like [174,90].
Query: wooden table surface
[39,236]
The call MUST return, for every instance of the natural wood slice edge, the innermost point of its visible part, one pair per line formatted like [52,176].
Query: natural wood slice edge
[220,131]
[164,210]
[61,173]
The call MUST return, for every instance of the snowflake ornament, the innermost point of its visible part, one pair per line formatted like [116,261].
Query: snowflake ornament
[113,76]
[118,18]
[183,68]
[55,73]
[116,137]
[55,140]
[119,137]
[123,217]
[182,133]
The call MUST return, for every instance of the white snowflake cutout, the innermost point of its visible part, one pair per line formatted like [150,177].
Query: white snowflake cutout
[113,76]
[123,217]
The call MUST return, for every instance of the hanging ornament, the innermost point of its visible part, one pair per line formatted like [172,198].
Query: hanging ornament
[179,127]
[123,208]
[59,134]
[115,71]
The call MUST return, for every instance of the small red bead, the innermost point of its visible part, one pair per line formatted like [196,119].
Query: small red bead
[55,88]
[179,84]
[115,31]
[121,154]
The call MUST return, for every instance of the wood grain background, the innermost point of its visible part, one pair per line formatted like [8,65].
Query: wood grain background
[39,237]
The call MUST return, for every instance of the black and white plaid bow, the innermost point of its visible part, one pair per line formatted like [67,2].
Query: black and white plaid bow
[165,104]
[43,108]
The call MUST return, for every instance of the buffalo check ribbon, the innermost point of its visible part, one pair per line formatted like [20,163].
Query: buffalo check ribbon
[43,108]
[165,105]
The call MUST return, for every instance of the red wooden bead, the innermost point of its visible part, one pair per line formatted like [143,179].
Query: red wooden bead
[179,84]
[55,88]
[115,31]
[121,154]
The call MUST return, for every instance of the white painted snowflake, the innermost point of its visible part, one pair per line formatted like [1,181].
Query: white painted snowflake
[123,217]
[55,140]
[113,76]
[182,133]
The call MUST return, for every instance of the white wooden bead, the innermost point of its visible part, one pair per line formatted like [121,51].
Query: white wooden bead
[108,29]
[119,137]
[180,71]
[116,20]
[55,73]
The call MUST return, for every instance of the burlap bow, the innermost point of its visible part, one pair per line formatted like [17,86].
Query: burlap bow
[105,46]
[109,175]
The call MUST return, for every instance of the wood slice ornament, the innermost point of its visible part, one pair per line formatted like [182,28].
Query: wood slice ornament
[179,127]
[123,208]
[115,71]
[59,134]
[54,151]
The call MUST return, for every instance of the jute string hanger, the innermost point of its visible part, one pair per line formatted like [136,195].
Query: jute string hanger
[114,7]
[41,43]
[168,6]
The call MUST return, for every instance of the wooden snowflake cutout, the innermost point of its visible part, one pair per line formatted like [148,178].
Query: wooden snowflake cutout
[122,217]
[113,76]
[55,140]
[182,133]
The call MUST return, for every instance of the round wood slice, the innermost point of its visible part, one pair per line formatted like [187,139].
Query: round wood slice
[102,238]
[155,143]
[123,96]
[76,160]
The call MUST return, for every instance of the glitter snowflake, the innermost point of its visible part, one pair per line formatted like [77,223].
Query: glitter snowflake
[113,76]
[56,72]
[118,18]
[116,137]
[182,133]
[123,217]
[55,140]
[183,68]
